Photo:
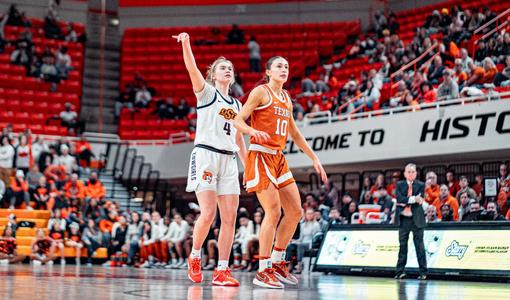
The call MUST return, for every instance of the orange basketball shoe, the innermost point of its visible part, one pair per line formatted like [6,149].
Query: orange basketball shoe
[224,278]
[267,279]
[282,273]
[195,269]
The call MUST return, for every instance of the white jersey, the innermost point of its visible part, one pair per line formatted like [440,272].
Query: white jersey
[215,119]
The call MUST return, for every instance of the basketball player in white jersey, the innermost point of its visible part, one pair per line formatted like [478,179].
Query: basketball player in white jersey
[213,173]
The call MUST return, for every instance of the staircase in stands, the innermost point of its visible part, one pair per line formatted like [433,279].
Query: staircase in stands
[101,74]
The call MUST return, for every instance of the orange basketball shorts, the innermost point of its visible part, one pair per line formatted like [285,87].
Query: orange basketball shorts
[265,166]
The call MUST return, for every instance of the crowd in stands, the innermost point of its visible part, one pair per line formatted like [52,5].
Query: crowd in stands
[442,75]
[38,175]
[47,65]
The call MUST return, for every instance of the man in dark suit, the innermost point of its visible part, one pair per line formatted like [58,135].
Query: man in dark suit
[409,215]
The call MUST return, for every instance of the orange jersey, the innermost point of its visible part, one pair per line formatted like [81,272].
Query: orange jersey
[273,118]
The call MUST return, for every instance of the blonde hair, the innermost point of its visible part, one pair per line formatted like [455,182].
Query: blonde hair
[212,68]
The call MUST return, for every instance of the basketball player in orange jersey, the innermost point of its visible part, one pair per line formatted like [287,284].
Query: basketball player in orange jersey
[268,174]
[213,173]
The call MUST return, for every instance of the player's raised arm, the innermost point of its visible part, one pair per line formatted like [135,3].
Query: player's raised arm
[254,100]
[197,80]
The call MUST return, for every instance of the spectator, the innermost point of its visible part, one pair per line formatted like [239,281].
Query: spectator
[67,160]
[322,222]
[167,109]
[464,187]
[254,49]
[428,94]
[399,98]
[95,189]
[41,194]
[492,213]
[57,234]
[448,89]
[503,78]
[49,72]
[453,183]
[93,239]
[308,228]
[8,247]
[460,75]
[6,159]
[142,97]
[183,109]
[235,35]
[435,71]
[33,178]
[431,188]
[23,157]
[63,63]
[236,89]
[73,240]
[126,99]
[334,217]
[307,86]
[18,191]
[14,16]
[84,151]
[42,248]
[474,211]
[477,75]
[175,237]
[446,213]
[75,189]
[71,35]
[464,204]
[119,238]
[52,29]
[478,186]
[446,198]
[244,234]
[133,235]
[490,70]
[431,214]
[372,96]
[38,147]
[56,173]
[391,188]
[70,120]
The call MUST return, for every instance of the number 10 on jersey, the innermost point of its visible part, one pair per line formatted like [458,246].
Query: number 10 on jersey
[281,127]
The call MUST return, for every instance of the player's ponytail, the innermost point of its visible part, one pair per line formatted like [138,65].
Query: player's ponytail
[212,68]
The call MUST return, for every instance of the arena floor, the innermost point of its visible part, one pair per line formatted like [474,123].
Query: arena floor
[96,283]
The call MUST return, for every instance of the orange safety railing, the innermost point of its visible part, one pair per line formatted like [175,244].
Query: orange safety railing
[341,107]
[498,27]
[412,63]
[496,19]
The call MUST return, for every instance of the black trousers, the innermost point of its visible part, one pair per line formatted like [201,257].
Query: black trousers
[406,226]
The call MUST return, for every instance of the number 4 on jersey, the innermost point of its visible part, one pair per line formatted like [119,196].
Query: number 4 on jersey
[227,128]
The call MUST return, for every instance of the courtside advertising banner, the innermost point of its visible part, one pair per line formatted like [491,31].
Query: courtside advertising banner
[447,249]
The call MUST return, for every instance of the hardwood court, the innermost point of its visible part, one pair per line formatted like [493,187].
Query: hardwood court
[96,283]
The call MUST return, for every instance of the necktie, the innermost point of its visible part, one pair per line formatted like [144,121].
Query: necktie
[407,210]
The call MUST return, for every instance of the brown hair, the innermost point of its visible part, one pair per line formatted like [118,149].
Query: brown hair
[212,68]
[269,63]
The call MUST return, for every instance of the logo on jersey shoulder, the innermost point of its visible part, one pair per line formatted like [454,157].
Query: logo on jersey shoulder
[207,176]
[228,113]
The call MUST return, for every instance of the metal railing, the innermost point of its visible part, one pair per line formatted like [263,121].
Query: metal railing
[130,170]
[391,111]
[491,32]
